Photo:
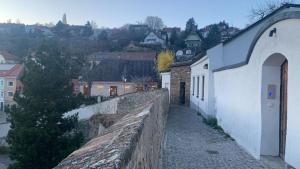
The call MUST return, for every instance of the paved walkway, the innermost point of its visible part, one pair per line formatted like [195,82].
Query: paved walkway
[191,144]
[4,161]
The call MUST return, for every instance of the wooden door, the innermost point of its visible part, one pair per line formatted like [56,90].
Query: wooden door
[283,108]
[113,91]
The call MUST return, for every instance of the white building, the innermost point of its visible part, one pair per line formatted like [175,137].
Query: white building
[154,39]
[112,88]
[253,86]
[201,94]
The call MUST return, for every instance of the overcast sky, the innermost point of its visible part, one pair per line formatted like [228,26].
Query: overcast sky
[115,13]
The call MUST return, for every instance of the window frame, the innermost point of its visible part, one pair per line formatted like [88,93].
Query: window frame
[203,89]
[10,92]
[8,84]
[198,86]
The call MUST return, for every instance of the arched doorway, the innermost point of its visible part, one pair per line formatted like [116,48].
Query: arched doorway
[274,105]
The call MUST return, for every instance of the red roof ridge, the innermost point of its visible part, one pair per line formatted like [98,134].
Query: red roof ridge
[15,71]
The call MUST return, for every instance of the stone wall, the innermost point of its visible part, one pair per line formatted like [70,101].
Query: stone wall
[180,74]
[133,142]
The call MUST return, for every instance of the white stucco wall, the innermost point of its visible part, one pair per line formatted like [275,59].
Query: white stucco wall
[103,88]
[238,92]
[107,107]
[166,81]
[196,102]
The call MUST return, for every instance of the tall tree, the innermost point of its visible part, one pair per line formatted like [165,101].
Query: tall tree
[154,22]
[88,30]
[190,26]
[64,19]
[266,7]
[213,38]
[40,135]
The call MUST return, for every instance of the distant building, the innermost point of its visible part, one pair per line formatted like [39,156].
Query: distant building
[9,83]
[154,39]
[168,33]
[7,58]
[40,29]
[12,83]
[118,73]
[138,28]
[184,55]
[225,30]
[109,89]
[193,40]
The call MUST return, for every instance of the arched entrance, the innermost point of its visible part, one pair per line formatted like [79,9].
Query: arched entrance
[274,105]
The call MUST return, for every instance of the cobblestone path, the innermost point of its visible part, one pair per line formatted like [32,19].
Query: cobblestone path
[191,144]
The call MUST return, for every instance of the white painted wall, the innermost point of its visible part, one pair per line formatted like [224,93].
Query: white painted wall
[204,106]
[107,107]
[238,93]
[103,88]
[166,81]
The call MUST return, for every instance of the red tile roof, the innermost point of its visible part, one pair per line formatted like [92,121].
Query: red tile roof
[7,55]
[15,71]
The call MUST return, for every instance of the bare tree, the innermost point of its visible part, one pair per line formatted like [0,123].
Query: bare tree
[266,7]
[154,22]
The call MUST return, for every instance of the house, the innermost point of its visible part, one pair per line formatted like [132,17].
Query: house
[138,28]
[110,89]
[9,83]
[201,94]
[193,40]
[250,84]
[12,83]
[154,39]
[223,27]
[118,73]
[7,58]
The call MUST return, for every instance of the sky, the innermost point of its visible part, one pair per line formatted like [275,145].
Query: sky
[116,13]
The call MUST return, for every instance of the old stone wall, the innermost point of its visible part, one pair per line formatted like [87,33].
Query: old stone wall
[180,74]
[133,142]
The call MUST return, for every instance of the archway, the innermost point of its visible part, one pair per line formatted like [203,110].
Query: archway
[274,105]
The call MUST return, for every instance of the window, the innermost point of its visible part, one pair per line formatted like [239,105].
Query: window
[193,86]
[10,83]
[203,82]
[2,95]
[10,94]
[1,82]
[198,79]
[113,91]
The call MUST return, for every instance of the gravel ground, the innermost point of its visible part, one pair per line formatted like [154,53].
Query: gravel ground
[191,144]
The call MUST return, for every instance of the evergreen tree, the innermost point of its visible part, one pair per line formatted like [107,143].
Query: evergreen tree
[213,38]
[88,30]
[64,19]
[190,26]
[40,135]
